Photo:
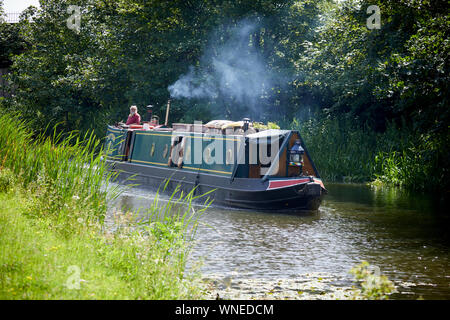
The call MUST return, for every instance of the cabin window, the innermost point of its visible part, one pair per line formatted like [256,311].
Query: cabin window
[166,150]
[152,150]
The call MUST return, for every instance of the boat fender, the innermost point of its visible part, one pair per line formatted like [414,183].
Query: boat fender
[179,163]
[181,153]
[170,161]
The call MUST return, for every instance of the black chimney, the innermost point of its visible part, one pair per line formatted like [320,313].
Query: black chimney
[149,112]
[246,124]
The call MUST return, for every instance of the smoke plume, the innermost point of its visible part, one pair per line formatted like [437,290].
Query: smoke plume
[231,71]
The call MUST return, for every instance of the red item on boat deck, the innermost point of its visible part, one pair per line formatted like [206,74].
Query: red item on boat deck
[135,119]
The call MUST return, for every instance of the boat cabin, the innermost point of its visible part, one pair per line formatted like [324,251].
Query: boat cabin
[225,148]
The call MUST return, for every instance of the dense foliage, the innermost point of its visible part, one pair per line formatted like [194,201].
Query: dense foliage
[129,52]
[317,59]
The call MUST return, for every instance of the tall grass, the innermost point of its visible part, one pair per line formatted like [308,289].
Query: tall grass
[419,165]
[66,172]
[162,239]
[53,219]
[177,215]
[344,151]
[340,152]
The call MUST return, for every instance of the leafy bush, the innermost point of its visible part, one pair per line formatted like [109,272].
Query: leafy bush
[261,126]
[374,286]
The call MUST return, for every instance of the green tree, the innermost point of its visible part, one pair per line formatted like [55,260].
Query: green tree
[396,73]
[400,70]
[130,51]
[2,12]
[11,43]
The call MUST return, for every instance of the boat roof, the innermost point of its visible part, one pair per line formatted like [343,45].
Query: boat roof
[268,133]
[272,133]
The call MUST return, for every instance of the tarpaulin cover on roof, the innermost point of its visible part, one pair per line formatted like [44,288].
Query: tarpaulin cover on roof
[274,135]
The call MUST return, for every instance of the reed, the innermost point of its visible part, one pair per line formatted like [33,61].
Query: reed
[416,166]
[53,206]
[344,151]
[341,152]
[65,172]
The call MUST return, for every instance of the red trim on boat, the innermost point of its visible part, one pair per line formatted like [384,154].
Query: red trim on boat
[277,184]
[319,182]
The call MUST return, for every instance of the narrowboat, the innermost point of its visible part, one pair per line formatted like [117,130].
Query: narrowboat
[241,164]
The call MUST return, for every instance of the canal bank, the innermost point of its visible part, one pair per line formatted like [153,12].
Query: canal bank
[38,262]
[54,243]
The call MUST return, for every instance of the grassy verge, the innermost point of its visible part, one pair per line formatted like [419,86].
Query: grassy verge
[54,243]
[37,262]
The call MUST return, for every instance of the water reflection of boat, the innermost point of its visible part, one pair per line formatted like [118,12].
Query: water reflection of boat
[246,167]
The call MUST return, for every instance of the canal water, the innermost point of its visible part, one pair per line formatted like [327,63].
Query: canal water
[405,236]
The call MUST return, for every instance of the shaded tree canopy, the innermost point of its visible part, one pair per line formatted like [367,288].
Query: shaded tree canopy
[321,53]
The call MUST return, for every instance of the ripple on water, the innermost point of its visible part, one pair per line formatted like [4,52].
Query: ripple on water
[405,239]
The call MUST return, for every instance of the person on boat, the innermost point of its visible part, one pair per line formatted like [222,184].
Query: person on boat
[134,117]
